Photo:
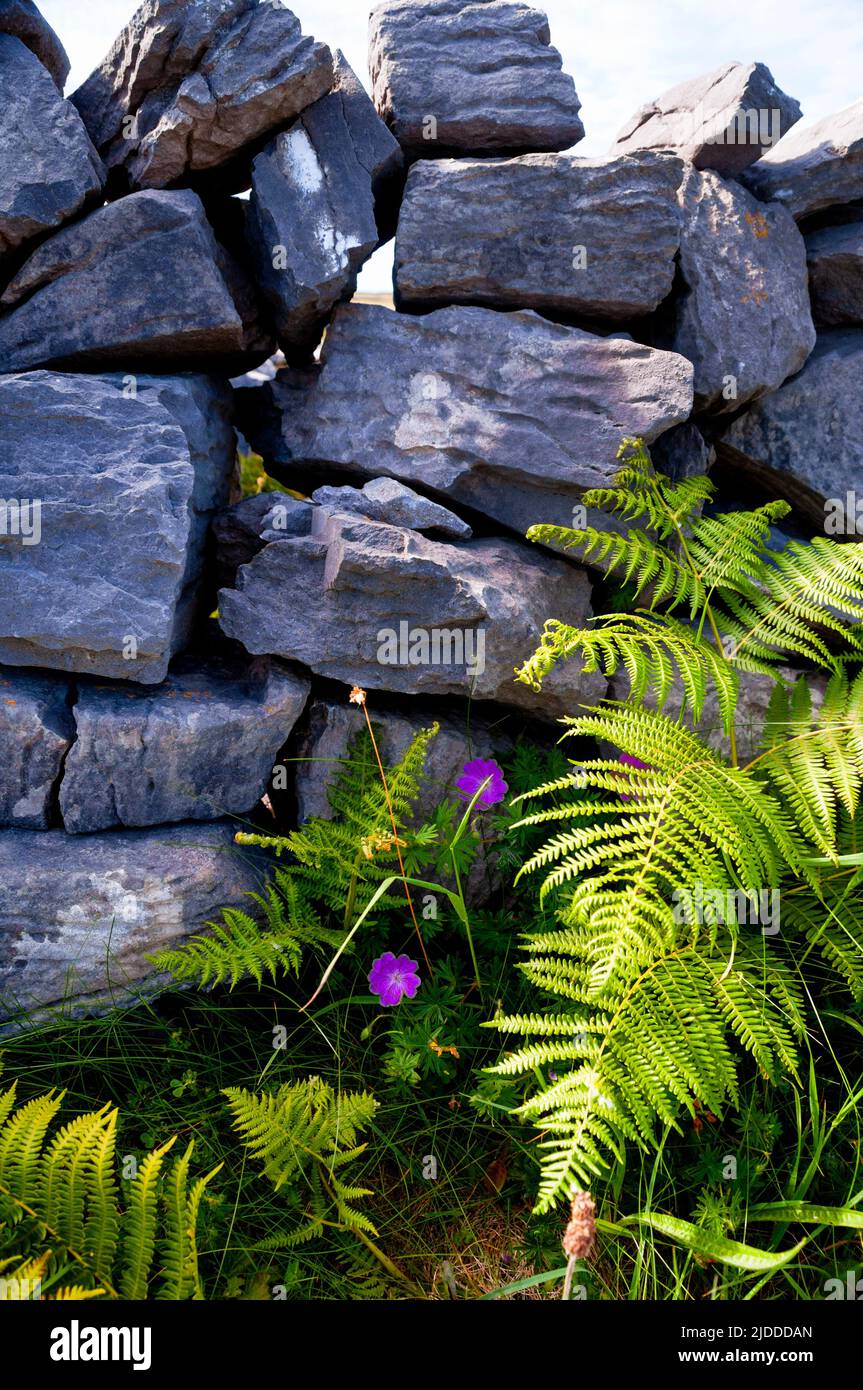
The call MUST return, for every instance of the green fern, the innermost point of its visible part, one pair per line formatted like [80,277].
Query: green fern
[304,1134]
[61,1218]
[336,867]
[660,1000]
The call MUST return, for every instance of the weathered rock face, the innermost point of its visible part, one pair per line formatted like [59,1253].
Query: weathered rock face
[805,441]
[22,19]
[185,86]
[835,259]
[36,731]
[385,608]
[722,120]
[116,490]
[105,291]
[479,77]
[503,233]
[198,747]
[815,167]
[683,452]
[48,168]
[78,916]
[504,413]
[383,499]
[744,320]
[311,222]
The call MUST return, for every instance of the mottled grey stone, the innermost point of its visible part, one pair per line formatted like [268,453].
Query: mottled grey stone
[479,77]
[594,238]
[125,486]
[48,168]
[384,499]
[805,441]
[835,259]
[186,86]
[240,531]
[683,452]
[311,223]
[139,281]
[362,603]
[508,414]
[80,915]
[814,167]
[36,731]
[200,746]
[745,311]
[722,120]
[22,19]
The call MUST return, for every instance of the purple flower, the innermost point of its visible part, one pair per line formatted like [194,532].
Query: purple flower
[392,977]
[473,775]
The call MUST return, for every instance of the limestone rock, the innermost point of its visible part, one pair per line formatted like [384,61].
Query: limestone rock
[36,731]
[683,452]
[312,223]
[507,414]
[835,259]
[814,167]
[595,238]
[108,499]
[241,530]
[186,86]
[479,77]
[80,915]
[385,608]
[722,120]
[22,19]
[198,747]
[383,499]
[104,291]
[805,441]
[48,168]
[744,320]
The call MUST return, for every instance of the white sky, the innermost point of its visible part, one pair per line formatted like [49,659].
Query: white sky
[621,53]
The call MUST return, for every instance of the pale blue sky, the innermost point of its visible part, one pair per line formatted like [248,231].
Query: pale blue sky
[620,52]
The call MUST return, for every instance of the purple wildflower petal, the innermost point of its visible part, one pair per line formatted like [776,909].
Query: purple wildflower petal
[474,774]
[393,977]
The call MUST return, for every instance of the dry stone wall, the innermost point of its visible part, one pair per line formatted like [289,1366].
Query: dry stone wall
[165,644]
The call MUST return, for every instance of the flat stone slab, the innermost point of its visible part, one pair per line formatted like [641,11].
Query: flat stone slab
[744,318]
[36,732]
[594,238]
[478,78]
[722,120]
[507,414]
[49,170]
[104,292]
[80,914]
[805,441]
[109,486]
[815,167]
[22,19]
[387,609]
[383,499]
[312,221]
[198,747]
[187,86]
[835,259]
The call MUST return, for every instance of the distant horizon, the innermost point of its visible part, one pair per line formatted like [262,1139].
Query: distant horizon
[621,56]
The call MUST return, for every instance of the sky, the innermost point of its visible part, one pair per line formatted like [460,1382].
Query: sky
[621,53]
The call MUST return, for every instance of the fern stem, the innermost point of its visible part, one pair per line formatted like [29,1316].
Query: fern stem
[364,706]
